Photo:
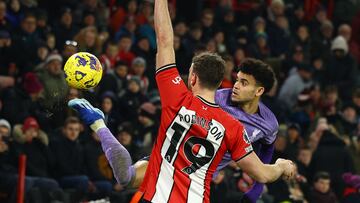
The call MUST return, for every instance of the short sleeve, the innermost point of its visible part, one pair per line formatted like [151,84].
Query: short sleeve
[240,145]
[171,87]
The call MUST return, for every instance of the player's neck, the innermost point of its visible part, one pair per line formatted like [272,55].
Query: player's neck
[208,95]
[250,107]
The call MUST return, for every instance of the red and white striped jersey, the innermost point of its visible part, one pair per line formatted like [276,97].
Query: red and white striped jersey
[193,137]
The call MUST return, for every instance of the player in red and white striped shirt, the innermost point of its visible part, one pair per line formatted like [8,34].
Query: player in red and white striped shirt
[194,132]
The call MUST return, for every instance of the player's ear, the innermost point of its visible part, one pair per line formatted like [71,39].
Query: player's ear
[260,91]
[193,79]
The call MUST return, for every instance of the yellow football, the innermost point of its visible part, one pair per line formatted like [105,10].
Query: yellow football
[83,71]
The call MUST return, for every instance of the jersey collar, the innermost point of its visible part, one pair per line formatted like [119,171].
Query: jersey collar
[208,103]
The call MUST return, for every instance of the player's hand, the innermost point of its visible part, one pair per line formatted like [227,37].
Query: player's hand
[288,167]
[86,111]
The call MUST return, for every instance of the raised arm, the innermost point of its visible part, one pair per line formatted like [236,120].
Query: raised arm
[164,34]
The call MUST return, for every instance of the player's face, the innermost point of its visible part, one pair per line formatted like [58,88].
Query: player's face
[245,89]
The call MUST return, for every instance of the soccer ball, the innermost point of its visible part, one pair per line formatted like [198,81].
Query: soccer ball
[83,71]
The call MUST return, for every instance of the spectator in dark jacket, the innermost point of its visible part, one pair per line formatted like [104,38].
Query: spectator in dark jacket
[65,28]
[125,135]
[115,81]
[33,142]
[321,192]
[9,152]
[322,41]
[280,37]
[132,100]
[341,68]
[208,24]
[8,169]
[19,103]
[7,59]
[109,107]
[303,39]
[148,126]
[193,39]
[25,42]
[69,157]
[332,156]
[260,49]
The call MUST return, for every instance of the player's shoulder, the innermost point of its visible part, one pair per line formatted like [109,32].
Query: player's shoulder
[228,120]
[268,116]
[222,96]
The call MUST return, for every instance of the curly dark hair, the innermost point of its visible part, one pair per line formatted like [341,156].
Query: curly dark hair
[210,68]
[262,72]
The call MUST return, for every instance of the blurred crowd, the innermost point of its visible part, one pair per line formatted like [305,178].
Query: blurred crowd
[312,45]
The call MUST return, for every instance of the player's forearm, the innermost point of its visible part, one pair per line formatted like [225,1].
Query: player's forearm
[270,173]
[163,26]
[118,157]
[263,173]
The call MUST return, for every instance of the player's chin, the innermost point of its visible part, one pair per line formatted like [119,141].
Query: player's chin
[234,98]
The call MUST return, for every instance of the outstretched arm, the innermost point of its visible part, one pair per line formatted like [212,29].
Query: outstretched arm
[119,158]
[164,34]
[266,173]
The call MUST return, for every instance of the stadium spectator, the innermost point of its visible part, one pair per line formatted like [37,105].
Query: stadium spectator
[109,108]
[331,156]
[65,28]
[341,60]
[346,31]
[321,191]
[126,136]
[25,42]
[148,128]
[125,53]
[21,102]
[132,99]
[322,40]
[294,85]
[90,40]
[115,81]
[137,70]
[303,39]
[52,78]
[260,49]
[69,168]
[70,48]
